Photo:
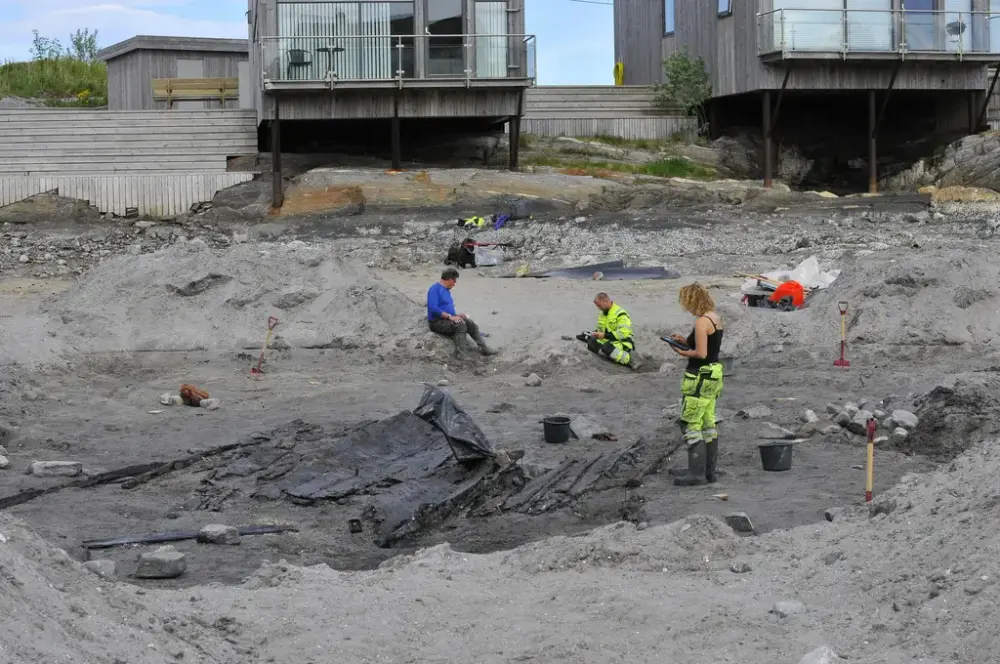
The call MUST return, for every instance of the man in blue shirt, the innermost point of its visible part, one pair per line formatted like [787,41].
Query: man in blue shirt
[442,318]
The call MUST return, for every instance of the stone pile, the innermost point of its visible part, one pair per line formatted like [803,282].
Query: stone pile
[851,419]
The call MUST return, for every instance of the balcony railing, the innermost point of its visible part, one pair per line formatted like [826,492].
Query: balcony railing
[334,59]
[868,32]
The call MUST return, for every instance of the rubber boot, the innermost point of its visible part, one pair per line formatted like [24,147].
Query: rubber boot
[478,338]
[696,466]
[461,347]
[634,363]
[711,461]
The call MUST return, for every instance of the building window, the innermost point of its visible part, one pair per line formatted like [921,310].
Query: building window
[725,7]
[345,40]
[668,17]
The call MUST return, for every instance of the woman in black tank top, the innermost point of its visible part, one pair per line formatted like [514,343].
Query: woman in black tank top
[701,386]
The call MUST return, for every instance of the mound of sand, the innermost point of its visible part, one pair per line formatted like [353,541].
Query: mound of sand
[191,297]
[56,611]
[894,306]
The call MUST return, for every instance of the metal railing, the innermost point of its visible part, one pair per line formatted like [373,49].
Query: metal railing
[870,31]
[380,58]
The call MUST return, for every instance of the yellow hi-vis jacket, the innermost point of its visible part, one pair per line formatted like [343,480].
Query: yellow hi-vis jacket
[617,328]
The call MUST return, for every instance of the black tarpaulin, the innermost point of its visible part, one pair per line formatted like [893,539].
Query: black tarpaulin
[467,440]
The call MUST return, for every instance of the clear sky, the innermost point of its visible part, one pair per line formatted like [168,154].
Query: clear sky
[575,38]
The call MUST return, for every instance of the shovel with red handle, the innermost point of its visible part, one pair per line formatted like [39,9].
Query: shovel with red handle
[843,361]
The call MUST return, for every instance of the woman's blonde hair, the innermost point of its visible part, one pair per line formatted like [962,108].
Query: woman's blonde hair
[696,300]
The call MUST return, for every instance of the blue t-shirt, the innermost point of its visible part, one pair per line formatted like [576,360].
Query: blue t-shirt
[439,301]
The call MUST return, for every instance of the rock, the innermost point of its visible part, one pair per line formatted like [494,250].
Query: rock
[533,380]
[164,563]
[7,433]
[879,414]
[833,557]
[831,429]
[31,395]
[444,382]
[24,258]
[167,399]
[144,224]
[219,534]
[889,423]
[833,409]
[822,655]
[102,568]
[810,417]
[808,429]
[55,468]
[740,568]
[898,436]
[843,418]
[4,462]
[833,513]
[851,409]
[740,522]
[774,432]
[880,440]
[209,404]
[905,419]
[787,608]
[859,423]
[44,208]
[756,412]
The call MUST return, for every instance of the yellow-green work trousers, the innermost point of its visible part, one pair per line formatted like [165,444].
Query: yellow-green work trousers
[700,393]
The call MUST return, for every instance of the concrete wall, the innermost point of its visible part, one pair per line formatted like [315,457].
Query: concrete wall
[158,162]
[623,111]
[130,77]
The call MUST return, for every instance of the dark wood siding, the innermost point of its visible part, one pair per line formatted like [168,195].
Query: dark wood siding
[130,76]
[638,35]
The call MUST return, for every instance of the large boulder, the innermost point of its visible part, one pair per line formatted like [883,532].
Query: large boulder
[742,156]
[49,207]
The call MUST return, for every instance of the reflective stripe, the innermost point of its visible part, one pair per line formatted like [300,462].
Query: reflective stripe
[620,356]
[710,434]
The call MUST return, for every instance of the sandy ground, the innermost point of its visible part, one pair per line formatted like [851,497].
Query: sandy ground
[675,589]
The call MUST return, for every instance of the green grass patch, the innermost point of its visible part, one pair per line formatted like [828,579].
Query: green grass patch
[671,167]
[60,81]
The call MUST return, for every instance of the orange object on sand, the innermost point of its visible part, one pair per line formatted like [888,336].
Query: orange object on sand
[191,395]
[792,289]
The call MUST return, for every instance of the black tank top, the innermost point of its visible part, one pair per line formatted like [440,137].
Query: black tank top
[714,346]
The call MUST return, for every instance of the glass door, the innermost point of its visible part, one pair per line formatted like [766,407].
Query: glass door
[869,25]
[958,26]
[918,17]
[446,45]
[491,39]
[810,25]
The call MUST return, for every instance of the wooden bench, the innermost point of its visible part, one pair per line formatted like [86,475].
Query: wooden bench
[195,89]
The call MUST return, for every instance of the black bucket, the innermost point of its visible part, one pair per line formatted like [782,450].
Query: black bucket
[556,429]
[776,456]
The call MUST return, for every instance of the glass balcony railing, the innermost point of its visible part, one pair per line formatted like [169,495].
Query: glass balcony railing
[868,31]
[368,58]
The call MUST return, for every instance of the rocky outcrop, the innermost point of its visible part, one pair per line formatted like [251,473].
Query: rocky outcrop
[45,208]
[742,156]
[973,161]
